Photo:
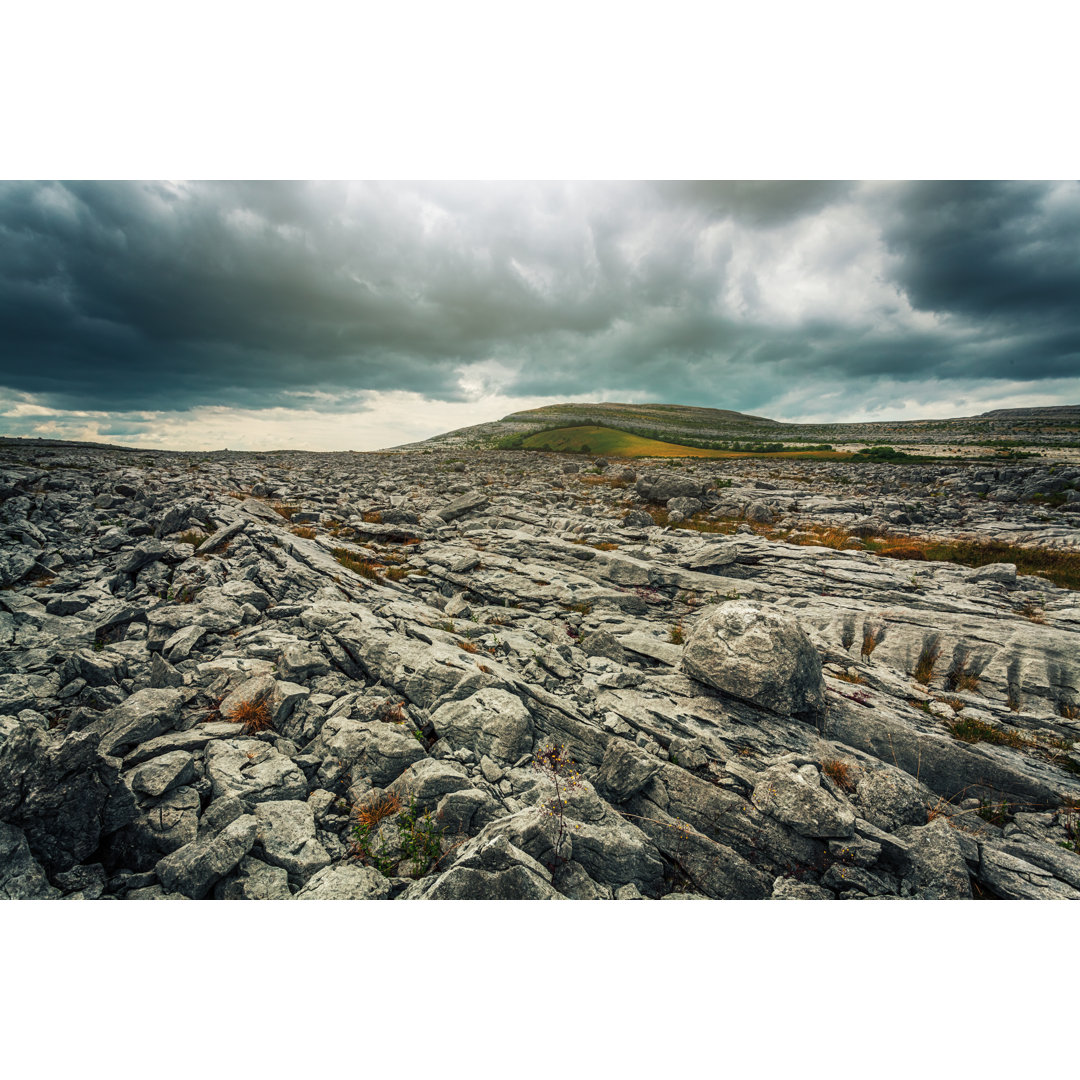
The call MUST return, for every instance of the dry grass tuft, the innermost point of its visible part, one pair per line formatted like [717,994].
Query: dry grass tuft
[358,566]
[676,635]
[254,715]
[378,809]
[849,677]
[832,537]
[467,646]
[928,658]
[285,510]
[839,772]
[304,533]
[373,517]
[1031,612]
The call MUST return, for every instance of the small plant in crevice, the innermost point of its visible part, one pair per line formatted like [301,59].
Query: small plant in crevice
[839,772]
[927,661]
[850,677]
[254,715]
[561,769]
[676,635]
[365,827]
[1032,612]
[1069,819]
[871,639]
[304,532]
[419,837]
[362,567]
[999,815]
[970,729]
[391,712]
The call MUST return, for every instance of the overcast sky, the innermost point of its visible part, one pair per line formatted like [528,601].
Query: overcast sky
[364,315]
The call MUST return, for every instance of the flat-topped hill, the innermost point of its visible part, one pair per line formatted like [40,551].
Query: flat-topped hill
[1054,426]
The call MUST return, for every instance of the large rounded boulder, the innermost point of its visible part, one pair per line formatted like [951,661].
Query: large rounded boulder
[760,656]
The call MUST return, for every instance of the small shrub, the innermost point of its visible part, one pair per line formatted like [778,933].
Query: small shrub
[965,681]
[420,838]
[554,763]
[676,635]
[379,808]
[304,533]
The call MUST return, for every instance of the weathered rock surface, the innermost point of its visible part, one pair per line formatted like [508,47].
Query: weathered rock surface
[760,656]
[836,725]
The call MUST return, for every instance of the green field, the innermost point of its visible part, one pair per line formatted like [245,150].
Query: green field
[610,442]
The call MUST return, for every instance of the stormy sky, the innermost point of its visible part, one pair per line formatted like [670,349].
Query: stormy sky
[363,315]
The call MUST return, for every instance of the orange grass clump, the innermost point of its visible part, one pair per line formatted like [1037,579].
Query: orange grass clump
[254,715]
[839,772]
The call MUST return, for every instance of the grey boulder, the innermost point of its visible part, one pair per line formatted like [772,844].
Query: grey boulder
[760,656]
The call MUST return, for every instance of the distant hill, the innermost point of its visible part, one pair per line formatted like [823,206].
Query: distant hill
[1047,426]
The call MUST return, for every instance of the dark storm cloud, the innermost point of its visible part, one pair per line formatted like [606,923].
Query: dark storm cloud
[1005,251]
[122,296]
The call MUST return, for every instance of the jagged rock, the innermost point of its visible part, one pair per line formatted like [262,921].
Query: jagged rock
[161,826]
[489,868]
[601,643]
[490,722]
[346,881]
[253,771]
[82,882]
[299,662]
[462,505]
[794,796]
[790,889]
[286,838]
[939,871]
[21,878]
[162,774]
[145,715]
[194,869]
[948,688]
[624,771]
[250,692]
[255,880]
[61,792]
[353,749]
[427,781]
[758,655]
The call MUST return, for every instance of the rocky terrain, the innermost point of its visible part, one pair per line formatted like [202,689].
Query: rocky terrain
[507,675]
